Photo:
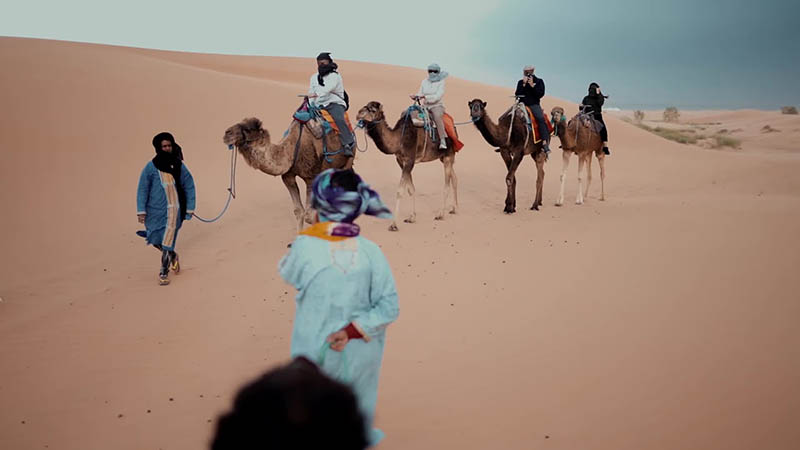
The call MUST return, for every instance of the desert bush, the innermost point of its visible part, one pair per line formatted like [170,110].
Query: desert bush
[788,110]
[725,141]
[769,129]
[671,114]
[638,115]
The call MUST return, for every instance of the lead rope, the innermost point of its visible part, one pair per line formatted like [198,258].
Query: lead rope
[231,190]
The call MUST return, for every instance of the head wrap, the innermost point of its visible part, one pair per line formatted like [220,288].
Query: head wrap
[342,196]
[528,68]
[326,69]
[171,164]
[439,75]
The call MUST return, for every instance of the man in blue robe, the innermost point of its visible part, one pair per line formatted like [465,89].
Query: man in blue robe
[165,198]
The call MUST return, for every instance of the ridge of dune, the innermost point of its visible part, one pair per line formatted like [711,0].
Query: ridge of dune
[661,318]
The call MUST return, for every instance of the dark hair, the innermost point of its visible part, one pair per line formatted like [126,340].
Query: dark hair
[292,407]
[346,179]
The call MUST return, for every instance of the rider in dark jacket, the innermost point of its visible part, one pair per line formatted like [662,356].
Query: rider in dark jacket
[593,103]
[531,90]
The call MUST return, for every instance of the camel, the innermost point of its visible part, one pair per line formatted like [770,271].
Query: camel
[578,136]
[410,145]
[512,149]
[288,158]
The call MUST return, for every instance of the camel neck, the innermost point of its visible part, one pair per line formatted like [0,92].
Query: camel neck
[489,130]
[386,139]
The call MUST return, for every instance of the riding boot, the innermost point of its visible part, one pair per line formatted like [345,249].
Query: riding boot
[163,275]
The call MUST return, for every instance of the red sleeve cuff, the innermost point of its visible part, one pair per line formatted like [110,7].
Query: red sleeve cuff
[352,332]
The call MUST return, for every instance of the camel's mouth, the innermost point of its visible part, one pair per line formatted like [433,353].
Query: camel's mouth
[230,140]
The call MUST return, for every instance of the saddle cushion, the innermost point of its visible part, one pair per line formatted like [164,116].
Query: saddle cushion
[535,125]
[452,133]
[329,118]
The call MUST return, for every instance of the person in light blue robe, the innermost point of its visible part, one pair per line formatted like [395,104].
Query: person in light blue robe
[346,291]
[164,199]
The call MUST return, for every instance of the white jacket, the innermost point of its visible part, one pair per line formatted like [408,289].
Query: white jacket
[432,91]
[332,92]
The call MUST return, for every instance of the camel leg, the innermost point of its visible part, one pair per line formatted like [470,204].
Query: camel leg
[565,156]
[447,163]
[454,185]
[581,163]
[588,175]
[601,159]
[506,155]
[309,213]
[294,192]
[412,192]
[393,226]
[540,159]
[511,183]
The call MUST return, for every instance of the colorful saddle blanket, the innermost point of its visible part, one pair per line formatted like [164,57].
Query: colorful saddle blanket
[317,120]
[419,118]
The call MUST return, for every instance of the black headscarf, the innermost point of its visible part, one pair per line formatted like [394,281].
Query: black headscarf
[327,68]
[171,163]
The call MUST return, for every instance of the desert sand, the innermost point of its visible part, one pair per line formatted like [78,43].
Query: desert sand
[757,131]
[662,318]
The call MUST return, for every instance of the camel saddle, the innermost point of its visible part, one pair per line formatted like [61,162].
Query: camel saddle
[525,112]
[588,121]
[318,121]
[421,118]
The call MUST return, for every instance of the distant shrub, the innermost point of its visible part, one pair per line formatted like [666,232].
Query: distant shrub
[725,141]
[638,115]
[769,129]
[788,110]
[671,114]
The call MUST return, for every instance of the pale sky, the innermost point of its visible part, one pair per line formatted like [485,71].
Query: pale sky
[648,54]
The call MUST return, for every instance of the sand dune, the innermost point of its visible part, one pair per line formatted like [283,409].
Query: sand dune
[662,318]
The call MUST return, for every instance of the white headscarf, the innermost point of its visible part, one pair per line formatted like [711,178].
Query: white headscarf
[439,76]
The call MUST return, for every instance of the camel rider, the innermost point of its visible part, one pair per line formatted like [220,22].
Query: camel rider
[593,103]
[432,90]
[531,90]
[326,91]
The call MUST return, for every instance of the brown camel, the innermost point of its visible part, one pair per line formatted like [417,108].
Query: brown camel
[287,159]
[512,147]
[579,136]
[410,145]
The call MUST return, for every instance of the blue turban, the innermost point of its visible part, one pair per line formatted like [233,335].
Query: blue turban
[342,196]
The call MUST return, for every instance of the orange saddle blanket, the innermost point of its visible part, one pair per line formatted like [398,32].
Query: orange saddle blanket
[450,129]
[332,122]
[537,137]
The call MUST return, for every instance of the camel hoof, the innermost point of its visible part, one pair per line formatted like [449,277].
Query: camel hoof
[509,210]
[393,227]
[602,199]
[410,220]
[535,208]
[559,204]
[579,202]
[439,217]
[453,212]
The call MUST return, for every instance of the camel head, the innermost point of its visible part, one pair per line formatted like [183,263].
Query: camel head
[245,133]
[477,109]
[559,125]
[557,117]
[557,114]
[371,112]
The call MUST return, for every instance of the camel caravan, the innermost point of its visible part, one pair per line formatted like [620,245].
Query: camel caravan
[321,137]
